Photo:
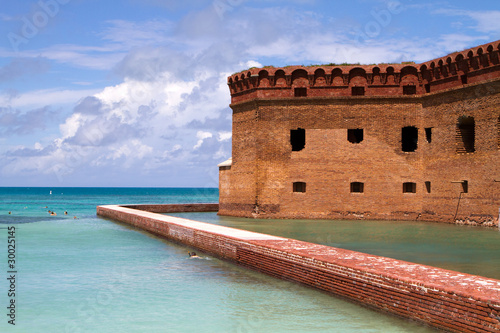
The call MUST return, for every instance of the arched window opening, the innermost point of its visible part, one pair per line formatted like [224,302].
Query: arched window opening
[493,55]
[337,78]
[300,77]
[319,77]
[465,135]
[279,78]
[263,78]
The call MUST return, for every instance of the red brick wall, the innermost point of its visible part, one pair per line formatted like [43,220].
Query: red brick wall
[172,208]
[448,300]
[259,182]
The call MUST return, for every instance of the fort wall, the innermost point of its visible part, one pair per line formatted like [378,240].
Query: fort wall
[400,142]
[451,301]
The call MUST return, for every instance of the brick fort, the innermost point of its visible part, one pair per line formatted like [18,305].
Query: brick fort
[389,141]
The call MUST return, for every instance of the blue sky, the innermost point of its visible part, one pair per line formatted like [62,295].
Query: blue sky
[134,93]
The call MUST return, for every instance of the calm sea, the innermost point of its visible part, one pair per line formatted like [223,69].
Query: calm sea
[93,275]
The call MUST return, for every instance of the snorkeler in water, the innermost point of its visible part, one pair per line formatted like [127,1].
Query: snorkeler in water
[193,255]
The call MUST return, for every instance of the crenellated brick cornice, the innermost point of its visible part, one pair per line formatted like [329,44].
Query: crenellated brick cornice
[457,69]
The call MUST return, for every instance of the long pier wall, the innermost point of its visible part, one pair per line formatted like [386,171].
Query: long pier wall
[176,208]
[448,300]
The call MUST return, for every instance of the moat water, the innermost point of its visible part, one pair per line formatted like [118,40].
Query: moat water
[473,250]
[93,275]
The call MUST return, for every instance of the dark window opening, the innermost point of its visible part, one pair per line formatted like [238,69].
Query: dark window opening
[465,135]
[428,134]
[463,78]
[298,139]
[357,187]
[428,186]
[355,135]
[409,138]
[409,90]
[465,186]
[409,188]
[427,87]
[358,91]
[300,92]
[299,187]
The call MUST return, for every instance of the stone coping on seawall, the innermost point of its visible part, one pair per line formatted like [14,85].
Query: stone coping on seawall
[196,225]
[452,301]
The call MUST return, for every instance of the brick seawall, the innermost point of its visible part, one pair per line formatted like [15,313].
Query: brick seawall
[451,301]
[176,208]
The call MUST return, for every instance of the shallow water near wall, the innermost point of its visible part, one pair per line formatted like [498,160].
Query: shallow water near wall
[93,275]
[473,250]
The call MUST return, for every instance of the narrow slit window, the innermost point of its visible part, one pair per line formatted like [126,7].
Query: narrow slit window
[465,135]
[358,91]
[300,92]
[428,186]
[357,187]
[409,90]
[463,78]
[498,132]
[409,187]
[409,138]
[299,187]
[355,135]
[428,134]
[298,139]
[427,87]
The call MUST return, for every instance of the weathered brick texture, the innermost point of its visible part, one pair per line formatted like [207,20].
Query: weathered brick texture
[452,104]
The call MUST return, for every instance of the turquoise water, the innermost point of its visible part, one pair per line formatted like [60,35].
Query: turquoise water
[472,250]
[93,275]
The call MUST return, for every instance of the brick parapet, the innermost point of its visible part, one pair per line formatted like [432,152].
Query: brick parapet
[454,70]
[448,300]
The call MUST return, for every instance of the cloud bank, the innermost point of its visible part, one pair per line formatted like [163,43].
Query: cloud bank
[166,121]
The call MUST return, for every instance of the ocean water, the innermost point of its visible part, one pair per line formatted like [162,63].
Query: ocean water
[93,275]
